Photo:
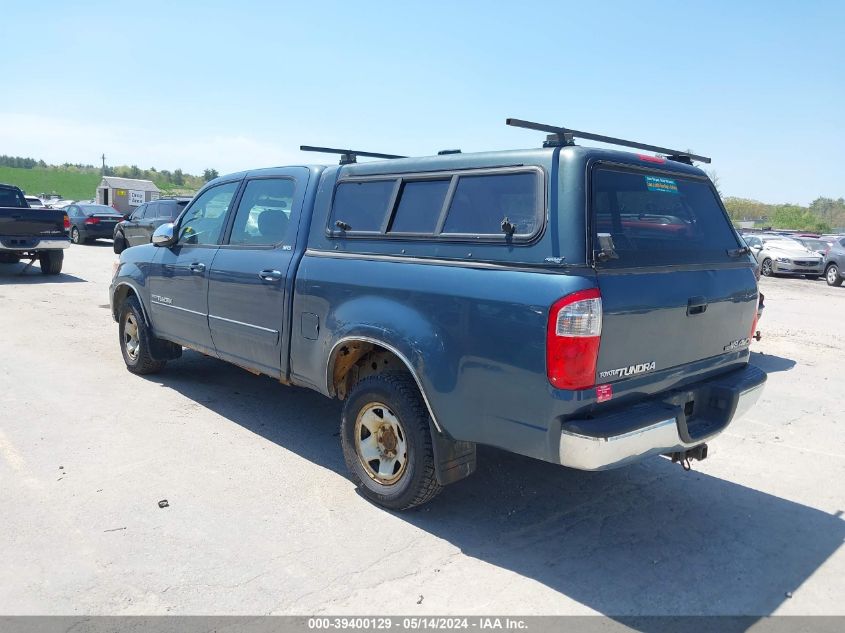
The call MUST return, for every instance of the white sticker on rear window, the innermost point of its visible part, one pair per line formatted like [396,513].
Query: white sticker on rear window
[666,185]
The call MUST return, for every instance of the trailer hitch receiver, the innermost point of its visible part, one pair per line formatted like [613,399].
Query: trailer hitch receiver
[685,457]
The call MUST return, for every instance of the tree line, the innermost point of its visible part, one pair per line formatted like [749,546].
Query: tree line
[821,216]
[164,179]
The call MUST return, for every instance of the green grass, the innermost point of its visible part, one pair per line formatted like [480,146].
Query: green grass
[71,185]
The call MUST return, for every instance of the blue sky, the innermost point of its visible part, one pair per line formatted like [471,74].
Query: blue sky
[759,86]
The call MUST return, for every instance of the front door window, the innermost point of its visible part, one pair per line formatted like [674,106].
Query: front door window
[205,219]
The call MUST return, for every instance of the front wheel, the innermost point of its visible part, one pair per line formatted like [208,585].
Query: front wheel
[386,441]
[76,236]
[136,340]
[51,262]
[832,276]
[766,268]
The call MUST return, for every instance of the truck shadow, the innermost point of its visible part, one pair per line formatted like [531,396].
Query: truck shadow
[770,363]
[11,274]
[649,539]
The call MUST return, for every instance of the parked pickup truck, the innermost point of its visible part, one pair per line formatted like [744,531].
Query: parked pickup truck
[31,233]
[586,307]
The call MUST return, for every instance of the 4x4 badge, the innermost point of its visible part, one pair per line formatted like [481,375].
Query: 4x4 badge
[737,344]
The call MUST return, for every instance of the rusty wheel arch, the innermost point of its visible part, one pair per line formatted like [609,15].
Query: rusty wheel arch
[356,357]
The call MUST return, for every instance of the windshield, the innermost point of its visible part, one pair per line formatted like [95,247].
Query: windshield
[659,219]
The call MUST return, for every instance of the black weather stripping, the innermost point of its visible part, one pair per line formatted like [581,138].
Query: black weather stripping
[347,156]
[565,136]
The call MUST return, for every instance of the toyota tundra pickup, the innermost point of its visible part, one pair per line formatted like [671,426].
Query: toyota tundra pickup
[31,233]
[586,307]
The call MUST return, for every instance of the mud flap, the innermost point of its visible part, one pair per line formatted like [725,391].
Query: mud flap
[164,350]
[453,460]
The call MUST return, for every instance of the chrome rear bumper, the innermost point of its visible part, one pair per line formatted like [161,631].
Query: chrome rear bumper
[662,433]
[24,244]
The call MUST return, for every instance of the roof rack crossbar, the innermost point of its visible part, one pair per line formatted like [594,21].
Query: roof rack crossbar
[347,156]
[565,136]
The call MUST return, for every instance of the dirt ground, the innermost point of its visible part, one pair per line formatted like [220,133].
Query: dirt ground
[262,519]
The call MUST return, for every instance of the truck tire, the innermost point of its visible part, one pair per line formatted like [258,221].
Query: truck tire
[136,339]
[119,242]
[386,440]
[51,262]
[832,275]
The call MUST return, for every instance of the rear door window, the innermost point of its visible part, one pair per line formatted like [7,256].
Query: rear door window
[263,216]
[658,219]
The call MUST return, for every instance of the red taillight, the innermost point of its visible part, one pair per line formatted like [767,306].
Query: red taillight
[92,220]
[573,335]
[67,222]
[754,322]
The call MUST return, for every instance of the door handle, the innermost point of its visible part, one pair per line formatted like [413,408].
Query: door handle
[696,305]
[270,275]
[197,267]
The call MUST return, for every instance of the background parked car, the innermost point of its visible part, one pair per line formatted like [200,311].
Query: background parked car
[60,204]
[139,226]
[90,221]
[34,202]
[778,255]
[834,266]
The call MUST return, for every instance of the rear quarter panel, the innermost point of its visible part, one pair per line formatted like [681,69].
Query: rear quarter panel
[475,337]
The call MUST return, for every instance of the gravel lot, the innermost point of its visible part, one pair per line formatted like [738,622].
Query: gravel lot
[263,520]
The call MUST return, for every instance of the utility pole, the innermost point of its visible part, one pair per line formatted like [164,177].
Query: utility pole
[104,164]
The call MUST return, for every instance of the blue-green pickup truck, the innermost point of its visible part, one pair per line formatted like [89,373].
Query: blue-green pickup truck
[587,307]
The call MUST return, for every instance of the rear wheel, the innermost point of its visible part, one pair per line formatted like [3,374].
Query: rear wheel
[766,268]
[136,340]
[119,243]
[832,276]
[51,262]
[386,441]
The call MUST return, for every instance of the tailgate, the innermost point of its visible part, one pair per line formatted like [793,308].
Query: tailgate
[653,321]
[32,222]
[676,285]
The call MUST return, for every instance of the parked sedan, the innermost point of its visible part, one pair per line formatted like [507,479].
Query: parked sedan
[778,255]
[90,221]
[138,228]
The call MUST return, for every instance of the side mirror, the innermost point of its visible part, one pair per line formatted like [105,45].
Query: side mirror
[164,236]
